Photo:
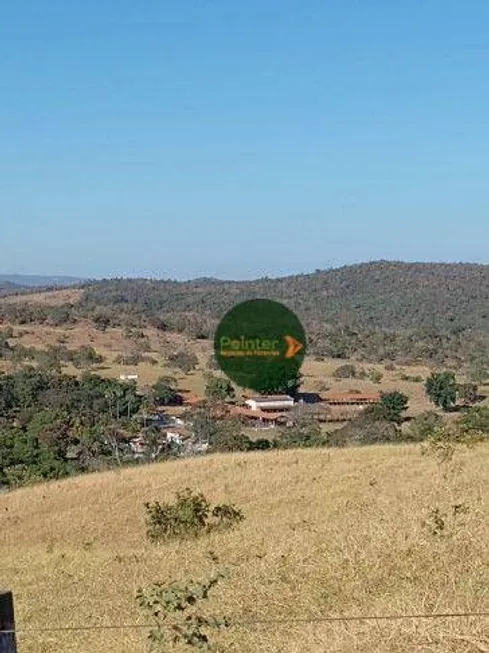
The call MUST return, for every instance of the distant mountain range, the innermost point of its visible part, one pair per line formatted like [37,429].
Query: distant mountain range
[11,281]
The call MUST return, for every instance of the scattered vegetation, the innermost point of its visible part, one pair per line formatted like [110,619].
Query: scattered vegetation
[185,361]
[191,515]
[383,311]
[375,376]
[440,523]
[411,378]
[423,426]
[347,371]
[175,610]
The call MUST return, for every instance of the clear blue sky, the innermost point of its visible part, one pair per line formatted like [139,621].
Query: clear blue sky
[184,138]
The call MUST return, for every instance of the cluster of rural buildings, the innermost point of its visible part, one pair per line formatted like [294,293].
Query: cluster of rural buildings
[263,412]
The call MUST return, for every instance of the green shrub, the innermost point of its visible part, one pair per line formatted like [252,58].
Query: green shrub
[375,376]
[261,444]
[176,615]
[423,426]
[411,379]
[229,438]
[132,358]
[347,371]
[394,404]
[226,516]
[190,516]
[475,420]
[443,523]
[369,427]
[441,388]
[183,361]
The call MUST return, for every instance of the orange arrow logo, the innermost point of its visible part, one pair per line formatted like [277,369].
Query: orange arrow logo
[293,346]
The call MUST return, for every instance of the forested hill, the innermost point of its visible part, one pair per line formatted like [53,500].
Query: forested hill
[388,295]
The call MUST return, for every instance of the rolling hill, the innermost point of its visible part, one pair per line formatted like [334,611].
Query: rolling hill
[389,295]
[369,531]
[437,312]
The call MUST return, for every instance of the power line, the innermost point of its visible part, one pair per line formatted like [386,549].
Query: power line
[251,622]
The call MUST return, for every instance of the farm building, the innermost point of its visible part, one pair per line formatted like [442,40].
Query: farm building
[351,398]
[276,403]
[258,418]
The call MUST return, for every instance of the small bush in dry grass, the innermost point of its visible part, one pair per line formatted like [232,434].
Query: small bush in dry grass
[131,358]
[475,421]
[190,516]
[446,439]
[443,523]
[375,376]
[226,516]
[183,360]
[411,379]
[176,613]
[423,426]
[347,371]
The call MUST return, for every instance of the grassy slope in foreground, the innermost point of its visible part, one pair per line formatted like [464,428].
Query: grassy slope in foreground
[326,532]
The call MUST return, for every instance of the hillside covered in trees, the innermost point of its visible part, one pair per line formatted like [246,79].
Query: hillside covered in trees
[380,310]
[387,295]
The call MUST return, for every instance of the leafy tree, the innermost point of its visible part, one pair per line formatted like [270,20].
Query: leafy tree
[218,388]
[59,315]
[223,434]
[165,392]
[86,356]
[203,425]
[441,388]
[394,403]
[153,444]
[229,437]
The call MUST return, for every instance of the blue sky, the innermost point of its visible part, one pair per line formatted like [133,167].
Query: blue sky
[240,139]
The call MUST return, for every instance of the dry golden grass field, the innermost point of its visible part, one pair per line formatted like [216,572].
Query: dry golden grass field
[327,532]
